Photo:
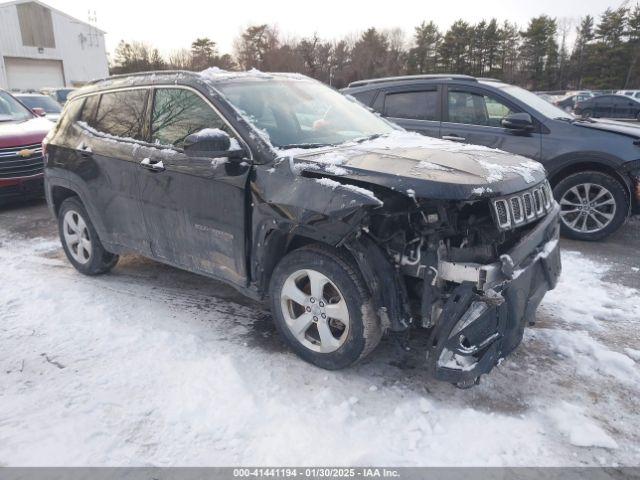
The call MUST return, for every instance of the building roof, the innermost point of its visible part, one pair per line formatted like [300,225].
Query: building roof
[59,12]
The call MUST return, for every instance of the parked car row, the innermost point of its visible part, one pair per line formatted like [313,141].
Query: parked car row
[622,105]
[609,106]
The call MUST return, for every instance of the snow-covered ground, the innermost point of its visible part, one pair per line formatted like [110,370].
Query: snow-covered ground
[152,366]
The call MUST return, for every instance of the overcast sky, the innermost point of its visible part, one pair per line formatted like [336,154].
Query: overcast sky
[171,25]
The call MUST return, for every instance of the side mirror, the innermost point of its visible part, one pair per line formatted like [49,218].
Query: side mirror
[520,122]
[212,143]
[39,111]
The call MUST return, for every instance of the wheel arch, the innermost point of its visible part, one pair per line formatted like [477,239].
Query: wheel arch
[59,189]
[582,164]
[385,285]
[58,195]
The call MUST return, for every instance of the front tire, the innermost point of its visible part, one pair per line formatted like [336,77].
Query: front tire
[593,205]
[322,308]
[80,240]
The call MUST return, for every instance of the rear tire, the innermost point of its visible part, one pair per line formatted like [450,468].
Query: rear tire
[80,240]
[593,205]
[323,282]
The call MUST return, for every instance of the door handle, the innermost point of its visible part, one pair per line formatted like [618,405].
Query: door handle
[153,165]
[453,138]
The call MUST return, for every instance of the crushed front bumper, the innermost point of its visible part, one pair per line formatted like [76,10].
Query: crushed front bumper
[485,316]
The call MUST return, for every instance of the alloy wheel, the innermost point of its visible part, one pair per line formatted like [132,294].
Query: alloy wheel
[315,311]
[587,208]
[76,236]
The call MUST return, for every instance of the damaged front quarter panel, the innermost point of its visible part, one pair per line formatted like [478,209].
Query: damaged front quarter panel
[287,205]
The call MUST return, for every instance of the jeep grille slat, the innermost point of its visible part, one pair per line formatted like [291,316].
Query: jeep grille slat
[524,207]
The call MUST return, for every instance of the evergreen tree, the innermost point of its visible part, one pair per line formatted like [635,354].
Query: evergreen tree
[423,57]
[539,53]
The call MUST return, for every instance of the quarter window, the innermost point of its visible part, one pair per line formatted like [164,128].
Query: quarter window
[89,110]
[412,105]
[476,109]
[365,97]
[122,114]
[177,113]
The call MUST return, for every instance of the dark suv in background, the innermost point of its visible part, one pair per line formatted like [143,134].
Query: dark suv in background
[290,192]
[593,166]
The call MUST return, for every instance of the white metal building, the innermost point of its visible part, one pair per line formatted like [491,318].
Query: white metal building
[41,47]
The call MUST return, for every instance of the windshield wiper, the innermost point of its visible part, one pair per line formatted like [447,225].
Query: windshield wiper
[370,137]
[305,145]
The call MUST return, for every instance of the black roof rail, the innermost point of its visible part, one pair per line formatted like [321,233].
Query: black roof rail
[434,76]
[142,74]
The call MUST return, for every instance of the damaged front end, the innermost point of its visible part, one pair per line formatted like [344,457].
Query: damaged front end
[471,272]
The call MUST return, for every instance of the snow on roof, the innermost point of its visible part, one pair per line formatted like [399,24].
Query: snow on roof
[217,74]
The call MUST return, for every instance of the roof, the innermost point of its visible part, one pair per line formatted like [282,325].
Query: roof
[161,77]
[213,74]
[59,12]
[439,76]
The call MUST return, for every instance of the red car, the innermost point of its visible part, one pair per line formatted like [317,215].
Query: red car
[21,134]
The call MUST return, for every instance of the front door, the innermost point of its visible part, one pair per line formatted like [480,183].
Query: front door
[195,209]
[474,116]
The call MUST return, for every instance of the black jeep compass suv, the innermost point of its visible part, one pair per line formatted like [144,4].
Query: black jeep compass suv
[593,165]
[287,190]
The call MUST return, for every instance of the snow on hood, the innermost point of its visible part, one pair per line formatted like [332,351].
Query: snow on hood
[405,161]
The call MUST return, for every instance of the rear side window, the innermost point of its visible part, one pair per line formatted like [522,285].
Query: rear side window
[177,113]
[412,105]
[122,114]
[365,97]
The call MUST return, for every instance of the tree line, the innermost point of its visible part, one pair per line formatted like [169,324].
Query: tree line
[605,54]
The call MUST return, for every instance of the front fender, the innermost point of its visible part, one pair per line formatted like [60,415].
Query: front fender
[287,205]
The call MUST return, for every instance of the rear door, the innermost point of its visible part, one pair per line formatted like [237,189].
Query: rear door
[414,108]
[474,115]
[195,209]
[112,125]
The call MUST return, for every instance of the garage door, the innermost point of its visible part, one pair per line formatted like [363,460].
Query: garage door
[26,73]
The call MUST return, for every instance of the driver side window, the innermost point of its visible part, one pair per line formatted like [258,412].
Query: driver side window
[473,108]
[177,113]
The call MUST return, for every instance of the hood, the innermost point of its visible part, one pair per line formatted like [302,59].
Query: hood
[29,132]
[420,166]
[623,128]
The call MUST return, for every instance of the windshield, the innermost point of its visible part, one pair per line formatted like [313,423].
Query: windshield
[48,104]
[302,113]
[534,101]
[11,110]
